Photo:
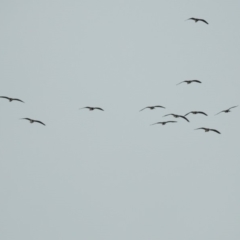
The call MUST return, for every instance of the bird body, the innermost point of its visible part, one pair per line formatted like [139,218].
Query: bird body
[190,81]
[92,108]
[12,99]
[177,116]
[227,110]
[198,19]
[208,129]
[32,121]
[196,112]
[152,107]
[163,123]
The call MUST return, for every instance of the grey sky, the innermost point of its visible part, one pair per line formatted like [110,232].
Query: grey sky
[109,175]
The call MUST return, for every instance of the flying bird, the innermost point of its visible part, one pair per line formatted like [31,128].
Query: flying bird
[195,112]
[92,108]
[189,81]
[12,99]
[32,121]
[176,116]
[226,111]
[197,19]
[209,129]
[152,107]
[163,123]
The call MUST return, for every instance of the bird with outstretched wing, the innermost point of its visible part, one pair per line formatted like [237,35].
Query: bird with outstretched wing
[12,99]
[198,19]
[196,112]
[177,116]
[227,110]
[208,129]
[163,123]
[33,121]
[152,107]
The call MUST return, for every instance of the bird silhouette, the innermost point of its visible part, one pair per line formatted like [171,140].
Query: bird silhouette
[196,112]
[12,99]
[198,19]
[92,108]
[189,81]
[152,107]
[208,129]
[226,111]
[33,121]
[176,116]
[163,123]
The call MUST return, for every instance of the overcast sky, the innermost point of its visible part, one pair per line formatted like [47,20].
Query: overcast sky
[109,175]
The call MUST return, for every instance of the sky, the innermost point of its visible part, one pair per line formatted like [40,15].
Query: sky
[109,174]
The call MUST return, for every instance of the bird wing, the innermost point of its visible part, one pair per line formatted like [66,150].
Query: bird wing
[4,97]
[159,106]
[168,115]
[84,107]
[202,113]
[156,123]
[27,119]
[232,107]
[180,82]
[99,108]
[187,113]
[16,99]
[203,21]
[219,112]
[184,118]
[143,109]
[200,128]
[196,81]
[39,122]
[170,121]
[214,130]
[191,19]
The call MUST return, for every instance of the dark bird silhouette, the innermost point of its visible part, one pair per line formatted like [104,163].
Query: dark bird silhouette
[209,129]
[92,108]
[189,81]
[176,116]
[163,123]
[152,107]
[226,111]
[12,99]
[32,121]
[195,112]
[198,19]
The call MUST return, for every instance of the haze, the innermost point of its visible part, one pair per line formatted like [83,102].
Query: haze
[108,175]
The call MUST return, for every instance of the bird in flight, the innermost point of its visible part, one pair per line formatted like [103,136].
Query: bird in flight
[177,116]
[226,111]
[189,81]
[195,112]
[12,99]
[208,129]
[32,121]
[92,108]
[163,123]
[152,107]
[198,19]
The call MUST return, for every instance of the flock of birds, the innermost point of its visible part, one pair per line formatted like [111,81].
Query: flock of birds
[184,117]
[192,112]
[150,107]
